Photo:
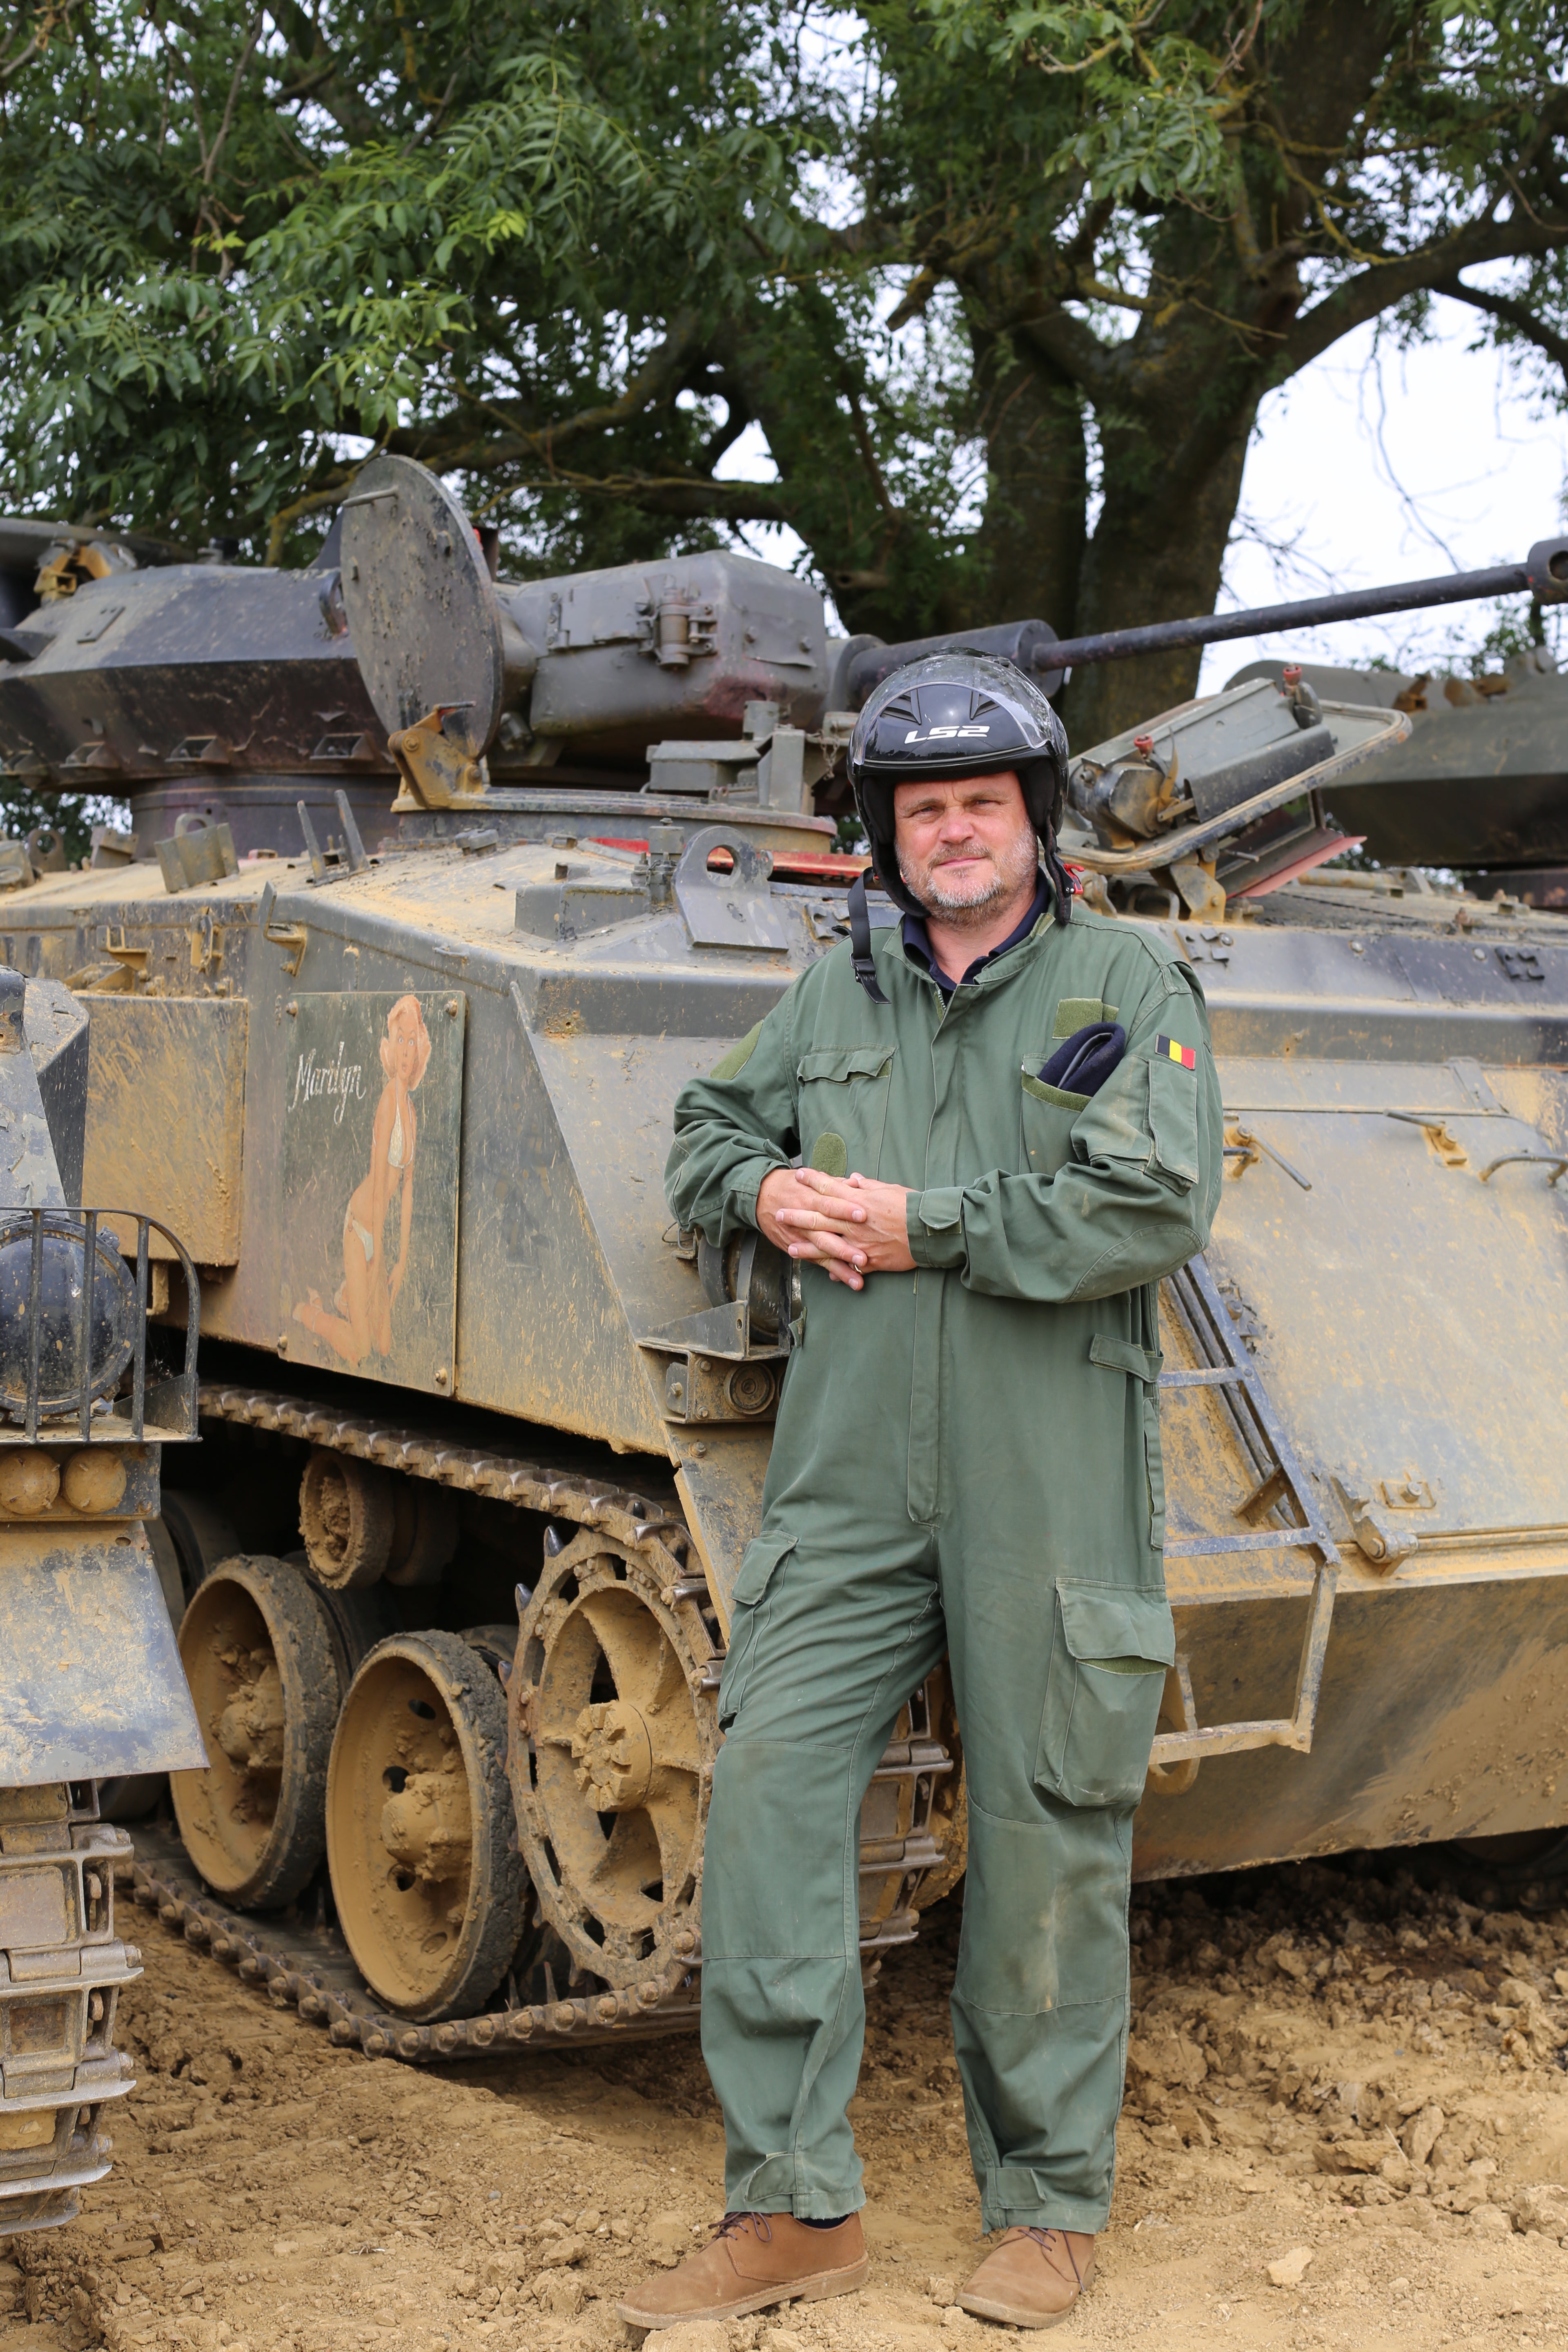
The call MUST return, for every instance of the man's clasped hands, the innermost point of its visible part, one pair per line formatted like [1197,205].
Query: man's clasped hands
[853,1225]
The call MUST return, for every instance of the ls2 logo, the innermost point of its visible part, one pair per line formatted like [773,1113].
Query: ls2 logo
[945,734]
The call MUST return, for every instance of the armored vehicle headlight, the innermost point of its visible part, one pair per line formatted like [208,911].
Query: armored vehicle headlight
[61,1276]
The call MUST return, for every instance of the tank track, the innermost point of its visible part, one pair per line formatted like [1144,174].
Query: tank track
[630,1519]
[309,1966]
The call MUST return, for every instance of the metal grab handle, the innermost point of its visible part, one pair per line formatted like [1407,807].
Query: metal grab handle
[1196,1740]
[1247,1147]
[1531,1159]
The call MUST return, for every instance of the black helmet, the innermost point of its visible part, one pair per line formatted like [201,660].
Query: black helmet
[957,714]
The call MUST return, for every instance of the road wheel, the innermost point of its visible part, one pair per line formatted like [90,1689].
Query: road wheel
[201,1535]
[348,1516]
[1522,1870]
[131,1797]
[356,1621]
[430,1897]
[425,1534]
[257,1647]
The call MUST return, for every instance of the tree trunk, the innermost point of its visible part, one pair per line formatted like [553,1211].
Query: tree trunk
[1029,547]
[889,572]
[1176,402]
[1156,556]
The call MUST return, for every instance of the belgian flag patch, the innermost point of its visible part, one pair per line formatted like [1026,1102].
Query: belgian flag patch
[1166,1049]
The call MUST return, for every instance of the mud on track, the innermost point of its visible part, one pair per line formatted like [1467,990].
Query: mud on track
[1330,2063]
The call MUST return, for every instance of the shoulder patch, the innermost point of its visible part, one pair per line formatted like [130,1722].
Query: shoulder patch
[1170,1049]
[735,1060]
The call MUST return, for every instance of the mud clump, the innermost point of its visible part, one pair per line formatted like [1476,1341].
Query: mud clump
[1346,2122]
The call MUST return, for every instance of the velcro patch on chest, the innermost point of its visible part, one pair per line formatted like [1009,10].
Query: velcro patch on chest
[1076,1013]
[1169,1049]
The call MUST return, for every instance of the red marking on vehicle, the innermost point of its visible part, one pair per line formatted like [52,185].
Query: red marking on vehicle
[789,865]
[1318,856]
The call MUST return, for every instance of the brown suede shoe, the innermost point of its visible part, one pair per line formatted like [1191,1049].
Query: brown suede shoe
[1031,2278]
[752,2262]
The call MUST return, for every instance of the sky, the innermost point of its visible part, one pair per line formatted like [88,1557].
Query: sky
[1384,465]
[1372,466]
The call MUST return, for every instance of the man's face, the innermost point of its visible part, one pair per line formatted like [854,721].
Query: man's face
[965,845]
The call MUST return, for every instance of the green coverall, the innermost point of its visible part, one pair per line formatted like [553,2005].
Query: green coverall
[967,1458]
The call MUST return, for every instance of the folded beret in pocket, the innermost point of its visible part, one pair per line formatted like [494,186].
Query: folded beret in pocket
[1082,1063]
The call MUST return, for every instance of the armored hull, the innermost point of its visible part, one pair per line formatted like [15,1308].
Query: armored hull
[485,1434]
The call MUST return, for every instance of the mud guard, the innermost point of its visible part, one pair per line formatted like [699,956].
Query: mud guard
[91,1682]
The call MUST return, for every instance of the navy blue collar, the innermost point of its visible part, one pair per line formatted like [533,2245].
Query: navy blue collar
[917,947]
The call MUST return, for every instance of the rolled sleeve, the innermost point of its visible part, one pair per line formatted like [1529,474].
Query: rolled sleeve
[934,1224]
[745,1182]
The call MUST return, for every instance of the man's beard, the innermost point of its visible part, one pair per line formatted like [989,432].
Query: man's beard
[1011,868]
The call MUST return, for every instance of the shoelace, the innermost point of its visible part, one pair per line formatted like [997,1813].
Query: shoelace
[1042,2239]
[734,2223]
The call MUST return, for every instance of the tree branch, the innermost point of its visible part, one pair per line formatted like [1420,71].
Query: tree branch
[49,19]
[1072,347]
[663,367]
[278,529]
[1512,313]
[305,86]
[863,442]
[209,161]
[354,120]
[1377,289]
[683,496]
[427,130]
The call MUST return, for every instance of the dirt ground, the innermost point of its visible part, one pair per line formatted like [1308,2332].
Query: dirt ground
[1339,2074]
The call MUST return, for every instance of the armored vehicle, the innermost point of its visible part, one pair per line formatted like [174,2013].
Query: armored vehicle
[485,1432]
[1479,786]
[93,1706]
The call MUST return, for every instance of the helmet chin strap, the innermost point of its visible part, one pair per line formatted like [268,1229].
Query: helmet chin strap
[1056,873]
[860,941]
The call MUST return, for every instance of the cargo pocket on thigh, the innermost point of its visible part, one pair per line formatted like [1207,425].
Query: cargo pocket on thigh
[1110,1650]
[757,1578]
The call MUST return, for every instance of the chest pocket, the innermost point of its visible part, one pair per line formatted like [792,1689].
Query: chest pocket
[1047,1114]
[842,1107]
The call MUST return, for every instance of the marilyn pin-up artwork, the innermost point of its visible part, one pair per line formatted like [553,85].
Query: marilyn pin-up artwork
[392,1172]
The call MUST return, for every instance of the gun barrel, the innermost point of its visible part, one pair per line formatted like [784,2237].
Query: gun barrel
[1258,621]
[1034,646]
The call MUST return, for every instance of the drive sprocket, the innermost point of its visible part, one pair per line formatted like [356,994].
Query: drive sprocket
[613,1733]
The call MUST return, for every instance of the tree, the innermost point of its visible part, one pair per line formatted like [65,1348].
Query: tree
[990,268]
[1222,193]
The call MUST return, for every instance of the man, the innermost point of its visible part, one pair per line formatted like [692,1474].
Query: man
[1010,1129]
